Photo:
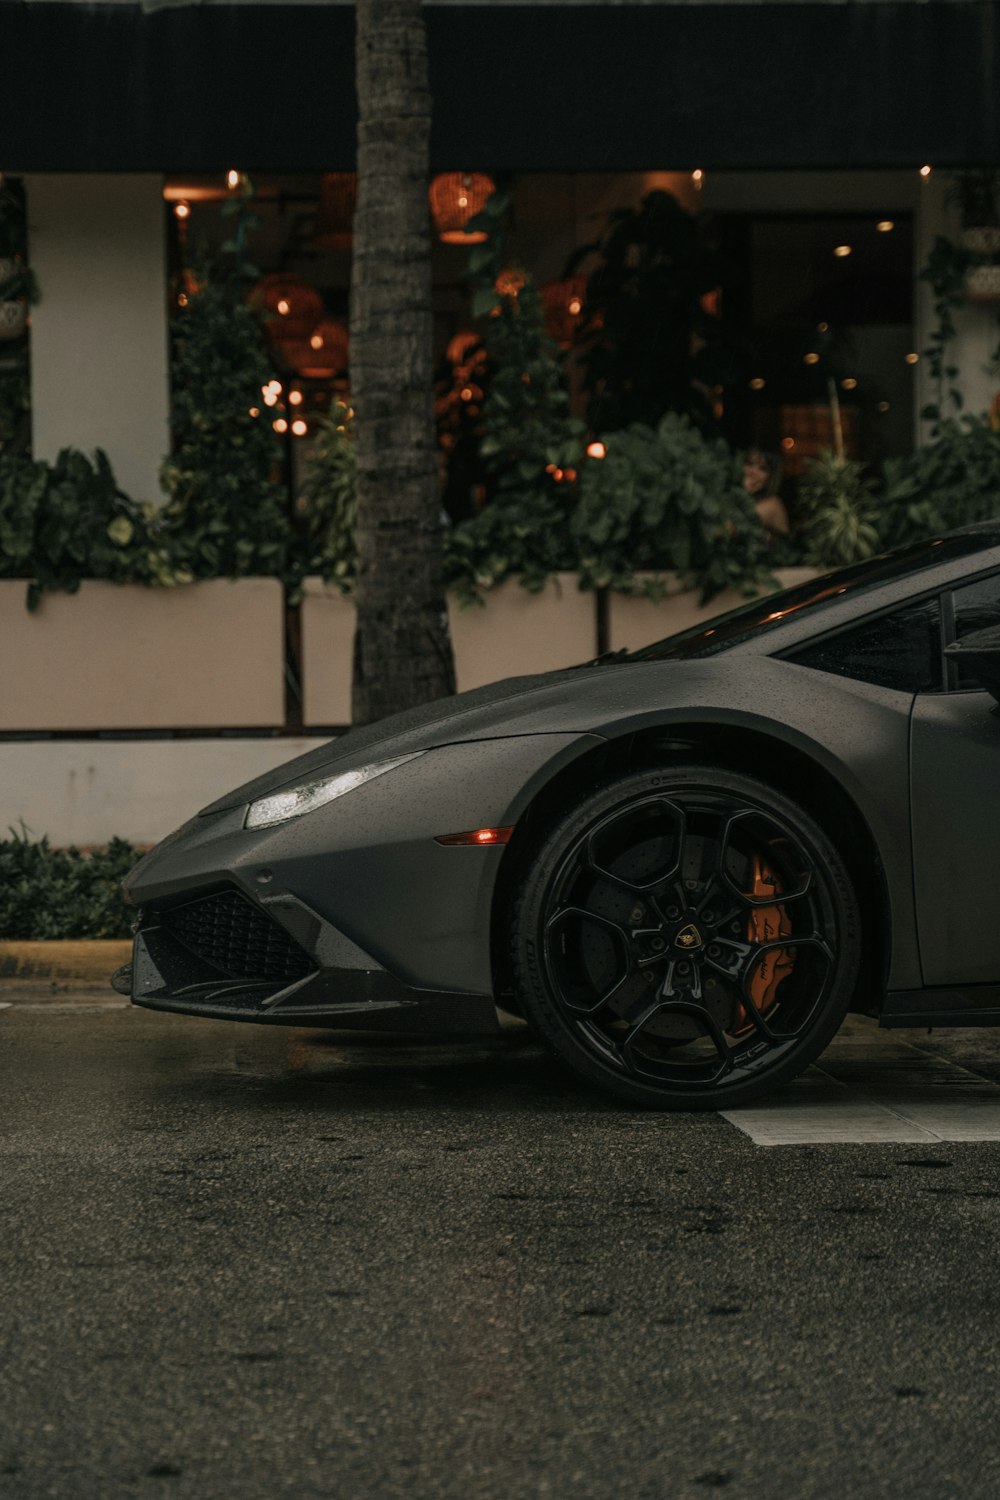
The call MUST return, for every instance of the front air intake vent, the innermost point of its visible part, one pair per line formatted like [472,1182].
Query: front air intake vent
[237,938]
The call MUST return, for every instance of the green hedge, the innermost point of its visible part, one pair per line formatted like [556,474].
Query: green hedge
[48,893]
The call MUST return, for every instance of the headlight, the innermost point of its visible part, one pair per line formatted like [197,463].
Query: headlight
[281,806]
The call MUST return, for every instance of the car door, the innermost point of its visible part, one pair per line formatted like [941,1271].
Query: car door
[955,808]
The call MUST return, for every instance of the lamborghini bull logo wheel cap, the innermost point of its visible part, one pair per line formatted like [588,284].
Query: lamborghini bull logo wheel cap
[688,938]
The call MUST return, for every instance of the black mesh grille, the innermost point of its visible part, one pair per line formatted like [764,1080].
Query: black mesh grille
[237,938]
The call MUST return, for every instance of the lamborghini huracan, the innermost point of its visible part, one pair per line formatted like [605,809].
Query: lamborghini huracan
[681,865]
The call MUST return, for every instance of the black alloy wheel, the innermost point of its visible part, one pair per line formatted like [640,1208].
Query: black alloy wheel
[687,938]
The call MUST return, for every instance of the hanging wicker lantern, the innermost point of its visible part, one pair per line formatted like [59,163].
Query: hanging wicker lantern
[335,215]
[323,354]
[461,345]
[456,197]
[562,303]
[292,306]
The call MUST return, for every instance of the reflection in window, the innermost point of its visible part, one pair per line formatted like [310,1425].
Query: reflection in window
[900,650]
[977,606]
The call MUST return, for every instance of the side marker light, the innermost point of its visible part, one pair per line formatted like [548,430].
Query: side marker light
[480,836]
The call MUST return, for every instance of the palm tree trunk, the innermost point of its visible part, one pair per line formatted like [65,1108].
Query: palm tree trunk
[402,649]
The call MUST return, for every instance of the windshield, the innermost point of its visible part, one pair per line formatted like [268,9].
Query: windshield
[762,614]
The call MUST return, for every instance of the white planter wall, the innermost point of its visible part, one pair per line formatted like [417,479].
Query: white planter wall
[514,632]
[200,656]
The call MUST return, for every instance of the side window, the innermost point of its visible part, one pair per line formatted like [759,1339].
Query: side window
[899,650]
[976,606]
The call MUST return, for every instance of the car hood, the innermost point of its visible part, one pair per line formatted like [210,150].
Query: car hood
[591,699]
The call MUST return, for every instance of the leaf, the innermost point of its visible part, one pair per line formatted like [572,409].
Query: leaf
[484,300]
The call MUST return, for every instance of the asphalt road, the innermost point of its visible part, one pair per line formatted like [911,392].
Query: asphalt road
[241,1262]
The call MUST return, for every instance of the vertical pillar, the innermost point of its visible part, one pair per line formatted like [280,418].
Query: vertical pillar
[99,352]
[977,329]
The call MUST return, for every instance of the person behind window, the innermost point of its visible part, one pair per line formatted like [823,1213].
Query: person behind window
[761,478]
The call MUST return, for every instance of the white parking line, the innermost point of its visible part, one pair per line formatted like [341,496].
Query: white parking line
[869,1088]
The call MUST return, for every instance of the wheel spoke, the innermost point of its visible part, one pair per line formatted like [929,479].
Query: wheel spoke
[644,890]
[580,913]
[647,1067]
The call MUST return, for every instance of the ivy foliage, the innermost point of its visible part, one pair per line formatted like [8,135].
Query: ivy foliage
[48,894]
[839,512]
[226,512]
[531,445]
[953,481]
[649,343]
[327,502]
[667,499]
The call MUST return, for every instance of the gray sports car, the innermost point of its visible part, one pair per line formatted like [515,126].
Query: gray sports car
[682,865]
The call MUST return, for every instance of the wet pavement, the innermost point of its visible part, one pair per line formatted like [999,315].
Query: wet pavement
[240,1261]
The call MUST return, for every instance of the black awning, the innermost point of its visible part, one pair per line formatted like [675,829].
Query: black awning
[533,88]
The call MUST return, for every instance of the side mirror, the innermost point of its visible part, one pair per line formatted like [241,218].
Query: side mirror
[979,652]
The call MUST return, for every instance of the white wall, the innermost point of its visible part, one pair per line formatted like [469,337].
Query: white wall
[85,792]
[99,357]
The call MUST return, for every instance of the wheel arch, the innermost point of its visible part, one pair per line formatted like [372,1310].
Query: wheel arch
[790,768]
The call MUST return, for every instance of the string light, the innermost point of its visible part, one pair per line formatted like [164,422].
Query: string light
[283,308]
[255,411]
[299,427]
[926,170]
[850,384]
[596,450]
[280,425]
[883,406]
[842,251]
[182,210]
[912,359]
[232,179]
[698,178]
[885,226]
[788,444]
[757,383]
[812,358]
[295,398]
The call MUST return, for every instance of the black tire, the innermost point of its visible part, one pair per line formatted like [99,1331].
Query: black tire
[644,961]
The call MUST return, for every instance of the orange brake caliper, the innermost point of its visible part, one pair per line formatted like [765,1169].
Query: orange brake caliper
[766,925]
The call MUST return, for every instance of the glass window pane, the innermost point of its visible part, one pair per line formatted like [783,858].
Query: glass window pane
[901,650]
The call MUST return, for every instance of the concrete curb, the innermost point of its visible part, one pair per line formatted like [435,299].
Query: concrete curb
[45,973]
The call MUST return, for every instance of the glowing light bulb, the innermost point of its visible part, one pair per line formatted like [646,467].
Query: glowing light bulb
[466,393]
[232,179]
[280,425]
[463,201]
[182,210]
[883,406]
[295,398]
[299,427]
[912,359]
[812,358]
[316,342]
[575,306]
[698,178]
[788,444]
[270,399]
[850,384]
[885,226]
[596,450]
[757,383]
[926,170]
[255,411]
[822,328]
[842,251]
[283,308]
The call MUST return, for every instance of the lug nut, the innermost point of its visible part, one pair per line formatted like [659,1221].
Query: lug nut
[656,944]
[713,950]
